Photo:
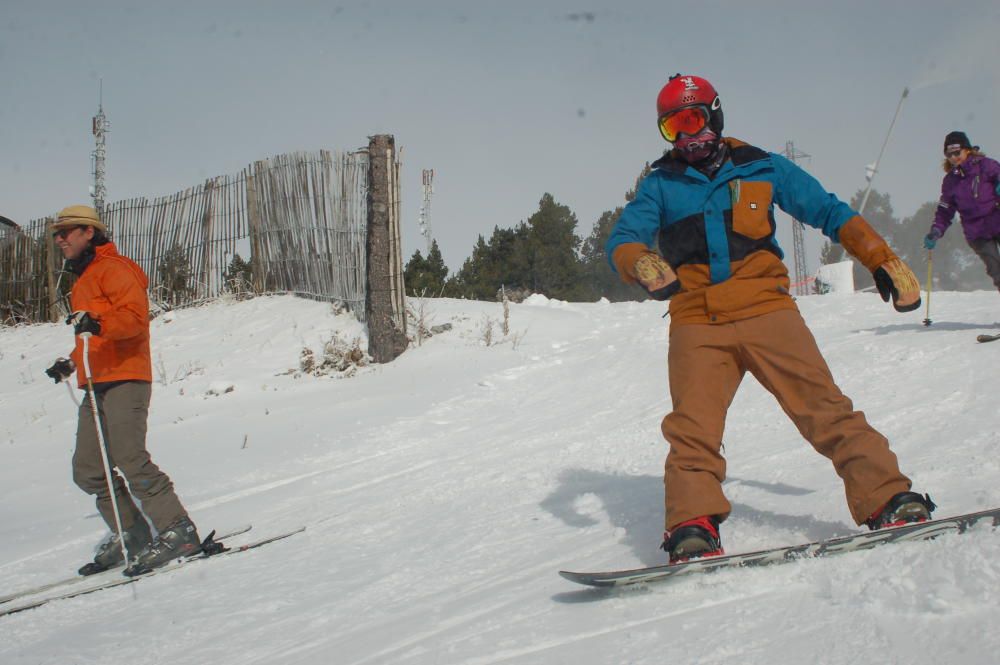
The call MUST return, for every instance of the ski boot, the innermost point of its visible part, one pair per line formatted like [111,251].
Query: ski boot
[902,508]
[693,539]
[109,553]
[177,540]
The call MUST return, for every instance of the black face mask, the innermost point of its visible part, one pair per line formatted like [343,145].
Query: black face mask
[713,162]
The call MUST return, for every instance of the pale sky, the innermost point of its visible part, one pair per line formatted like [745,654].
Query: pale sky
[504,100]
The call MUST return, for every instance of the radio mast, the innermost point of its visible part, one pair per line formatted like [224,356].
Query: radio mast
[799,285]
[100,127]
[425,208]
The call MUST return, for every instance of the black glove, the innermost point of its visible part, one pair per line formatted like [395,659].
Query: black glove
[61,370]
[894,280]
[82,322]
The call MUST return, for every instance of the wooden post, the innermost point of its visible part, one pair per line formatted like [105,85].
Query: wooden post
[50,271]
[257,262]
[207,218]
[386,331]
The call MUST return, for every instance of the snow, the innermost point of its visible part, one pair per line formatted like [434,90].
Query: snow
[442,493]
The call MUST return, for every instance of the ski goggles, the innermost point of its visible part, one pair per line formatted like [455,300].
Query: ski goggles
[690,120]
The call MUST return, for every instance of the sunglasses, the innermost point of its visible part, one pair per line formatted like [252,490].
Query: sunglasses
[62,234]
[690,121]
[953,153]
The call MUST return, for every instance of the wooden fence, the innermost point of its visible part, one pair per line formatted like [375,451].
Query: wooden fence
[28,273]
[298,223]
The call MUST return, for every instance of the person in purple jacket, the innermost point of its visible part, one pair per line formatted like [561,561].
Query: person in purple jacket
[971,188]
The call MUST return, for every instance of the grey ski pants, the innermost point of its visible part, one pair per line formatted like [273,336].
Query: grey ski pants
[123,407]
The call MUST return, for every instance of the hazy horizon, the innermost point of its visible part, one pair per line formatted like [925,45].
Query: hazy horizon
[505,103]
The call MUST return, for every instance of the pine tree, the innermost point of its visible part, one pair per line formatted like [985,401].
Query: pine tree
[436,266]
[503,261]
[598,277]
[550,253]
[426,277]
[238,277]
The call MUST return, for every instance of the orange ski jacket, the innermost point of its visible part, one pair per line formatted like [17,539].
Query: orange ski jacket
[113,290]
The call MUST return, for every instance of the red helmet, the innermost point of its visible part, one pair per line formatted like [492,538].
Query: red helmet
[686,91]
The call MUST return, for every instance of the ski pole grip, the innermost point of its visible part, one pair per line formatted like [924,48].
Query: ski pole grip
[85,336]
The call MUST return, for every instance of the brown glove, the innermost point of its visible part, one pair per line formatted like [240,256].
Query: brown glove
[895,279]
[656,276]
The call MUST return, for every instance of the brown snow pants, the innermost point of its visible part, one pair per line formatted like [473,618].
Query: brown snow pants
[123,407]
[706,365]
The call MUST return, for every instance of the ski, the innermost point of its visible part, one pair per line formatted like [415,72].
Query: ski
[173,565]
[855,542]
[24,593]
[988,338]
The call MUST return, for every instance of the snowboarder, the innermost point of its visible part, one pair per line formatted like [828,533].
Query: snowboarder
[109,301]
[709,204]
[971,187]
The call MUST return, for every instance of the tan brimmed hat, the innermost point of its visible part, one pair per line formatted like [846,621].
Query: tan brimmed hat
[79,215]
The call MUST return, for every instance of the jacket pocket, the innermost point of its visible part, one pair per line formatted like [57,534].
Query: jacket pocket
[751,204]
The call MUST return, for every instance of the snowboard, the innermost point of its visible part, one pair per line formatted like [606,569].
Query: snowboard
[854,542]
[988,338]
[172,566]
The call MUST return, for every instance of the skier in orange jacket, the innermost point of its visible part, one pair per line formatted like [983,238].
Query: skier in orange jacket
[109,303]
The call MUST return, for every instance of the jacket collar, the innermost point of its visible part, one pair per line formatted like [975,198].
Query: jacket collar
[78,265]
[970,165]
[739,154]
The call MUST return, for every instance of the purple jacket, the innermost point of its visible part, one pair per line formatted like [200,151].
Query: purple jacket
[971,191]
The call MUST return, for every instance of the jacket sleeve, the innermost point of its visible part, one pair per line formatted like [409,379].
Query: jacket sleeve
[946,209]
[801,196]
[865,244]
[992,169]
[129,312]
[635,232]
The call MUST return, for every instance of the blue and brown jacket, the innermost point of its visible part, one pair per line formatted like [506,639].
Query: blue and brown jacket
[718,234]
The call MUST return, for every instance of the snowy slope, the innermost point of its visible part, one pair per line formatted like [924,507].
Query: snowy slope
[443,491]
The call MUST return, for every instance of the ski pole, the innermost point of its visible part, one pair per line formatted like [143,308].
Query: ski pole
[100,442]
[930,265]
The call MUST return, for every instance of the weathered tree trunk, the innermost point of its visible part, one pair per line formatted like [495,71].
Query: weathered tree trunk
[383,300]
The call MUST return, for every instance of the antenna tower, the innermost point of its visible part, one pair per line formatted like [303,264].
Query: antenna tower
[425,208]
[100,127]
[799,285]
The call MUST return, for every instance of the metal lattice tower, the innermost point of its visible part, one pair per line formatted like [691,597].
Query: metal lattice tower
[425,208]
[799,285]
[100,127]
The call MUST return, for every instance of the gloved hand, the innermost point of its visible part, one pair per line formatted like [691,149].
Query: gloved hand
[931,238]
[82,322]
[61,370]
[895,280]
[656,276]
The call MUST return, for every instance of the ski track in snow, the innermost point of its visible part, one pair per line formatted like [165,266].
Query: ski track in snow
[443,492]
